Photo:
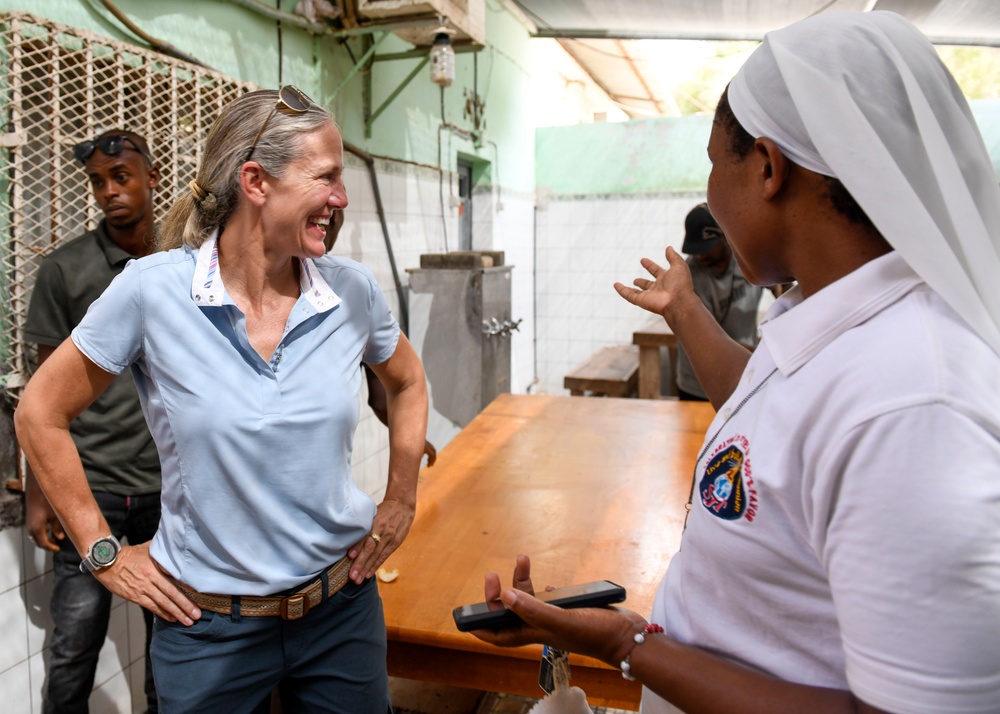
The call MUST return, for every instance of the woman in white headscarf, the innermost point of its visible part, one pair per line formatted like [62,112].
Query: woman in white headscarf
[851,560]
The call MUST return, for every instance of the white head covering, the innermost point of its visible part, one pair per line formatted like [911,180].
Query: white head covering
[864,98]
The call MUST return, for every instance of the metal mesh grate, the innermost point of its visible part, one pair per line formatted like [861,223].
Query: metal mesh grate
[59,86]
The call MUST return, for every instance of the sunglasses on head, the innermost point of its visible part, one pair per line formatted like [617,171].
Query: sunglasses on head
[291,98]
[110,145]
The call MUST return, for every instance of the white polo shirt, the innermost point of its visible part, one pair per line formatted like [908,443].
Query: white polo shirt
[256,455]
[845,530]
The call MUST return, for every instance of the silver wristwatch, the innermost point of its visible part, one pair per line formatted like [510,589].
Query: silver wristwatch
[101,554]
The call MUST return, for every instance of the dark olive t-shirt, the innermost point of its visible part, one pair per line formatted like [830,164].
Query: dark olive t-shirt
[733,302]
[115,445]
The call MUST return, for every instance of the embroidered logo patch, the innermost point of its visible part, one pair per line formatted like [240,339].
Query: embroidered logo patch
[726,487]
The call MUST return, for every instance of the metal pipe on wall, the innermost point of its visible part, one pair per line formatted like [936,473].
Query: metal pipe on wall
[322,28]
[404,311]
[154,42]
[315,28]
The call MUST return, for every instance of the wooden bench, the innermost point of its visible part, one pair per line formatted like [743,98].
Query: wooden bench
[610,372]
[650,339]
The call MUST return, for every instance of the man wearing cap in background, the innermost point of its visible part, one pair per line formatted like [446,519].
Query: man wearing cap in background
[118,453]
[720,284]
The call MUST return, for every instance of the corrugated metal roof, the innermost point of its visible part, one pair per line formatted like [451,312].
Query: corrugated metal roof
[602,34]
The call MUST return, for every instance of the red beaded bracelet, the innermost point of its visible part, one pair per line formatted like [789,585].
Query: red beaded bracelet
[639,638]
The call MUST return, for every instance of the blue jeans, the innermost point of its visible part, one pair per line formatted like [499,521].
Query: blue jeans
[81,607]
[332,660]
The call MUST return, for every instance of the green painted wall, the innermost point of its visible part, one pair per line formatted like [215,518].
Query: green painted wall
[630,157]
[243,44]
[408,128]
[987,113]
[634,157]
[659,155]
[225,36]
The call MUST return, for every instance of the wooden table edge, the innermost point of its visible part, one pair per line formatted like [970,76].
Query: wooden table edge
[499,671]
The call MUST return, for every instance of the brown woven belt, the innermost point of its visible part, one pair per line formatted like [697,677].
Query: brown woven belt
[288,607]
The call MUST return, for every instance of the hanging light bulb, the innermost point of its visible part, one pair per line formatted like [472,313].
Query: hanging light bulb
[442,57]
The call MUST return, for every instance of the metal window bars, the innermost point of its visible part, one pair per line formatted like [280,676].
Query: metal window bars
[61,85]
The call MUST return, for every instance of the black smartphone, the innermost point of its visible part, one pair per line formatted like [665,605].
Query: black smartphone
[496,615]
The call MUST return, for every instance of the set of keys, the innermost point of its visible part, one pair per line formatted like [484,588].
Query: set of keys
[553,673]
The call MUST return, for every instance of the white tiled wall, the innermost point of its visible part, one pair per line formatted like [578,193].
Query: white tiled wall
[505,221]
[584,245]
[25,627]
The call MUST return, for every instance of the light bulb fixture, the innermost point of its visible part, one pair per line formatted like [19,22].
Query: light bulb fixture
[442,57]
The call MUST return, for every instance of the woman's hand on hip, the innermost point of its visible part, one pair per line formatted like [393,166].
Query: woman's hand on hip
[135,576]
[392,522]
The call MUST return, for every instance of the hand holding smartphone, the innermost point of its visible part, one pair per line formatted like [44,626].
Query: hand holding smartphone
[496,615]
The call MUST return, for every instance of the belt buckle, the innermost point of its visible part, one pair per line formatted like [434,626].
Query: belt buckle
[294,607]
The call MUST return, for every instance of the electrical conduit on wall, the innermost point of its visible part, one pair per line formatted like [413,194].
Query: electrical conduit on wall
[404,313]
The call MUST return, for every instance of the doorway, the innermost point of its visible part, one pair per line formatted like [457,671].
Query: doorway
[464,205]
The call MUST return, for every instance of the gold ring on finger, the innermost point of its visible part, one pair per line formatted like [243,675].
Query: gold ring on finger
[376,537]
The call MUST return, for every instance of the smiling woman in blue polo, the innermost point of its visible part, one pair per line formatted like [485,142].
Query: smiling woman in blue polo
[246,341]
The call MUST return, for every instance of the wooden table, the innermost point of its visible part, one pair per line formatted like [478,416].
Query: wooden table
[651,338]
[591,489]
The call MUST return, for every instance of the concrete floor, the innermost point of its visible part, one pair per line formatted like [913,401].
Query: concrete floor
[411,697]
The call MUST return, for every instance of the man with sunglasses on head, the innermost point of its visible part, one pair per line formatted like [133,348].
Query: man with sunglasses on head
[719,282]
[118,453]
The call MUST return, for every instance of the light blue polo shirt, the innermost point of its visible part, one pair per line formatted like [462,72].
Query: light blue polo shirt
[256,456]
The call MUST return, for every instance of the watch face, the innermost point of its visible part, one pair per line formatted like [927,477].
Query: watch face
[104,552]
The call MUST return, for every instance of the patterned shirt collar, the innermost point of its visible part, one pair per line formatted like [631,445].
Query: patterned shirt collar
[207,289]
